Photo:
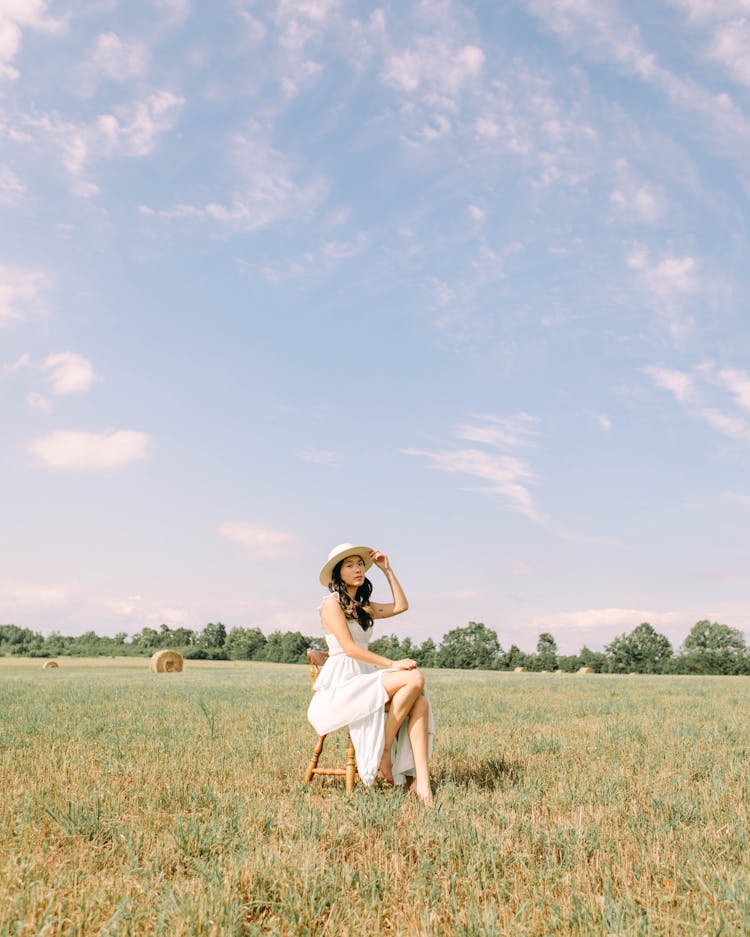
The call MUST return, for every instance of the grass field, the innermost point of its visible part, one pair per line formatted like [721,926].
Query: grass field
[172,804]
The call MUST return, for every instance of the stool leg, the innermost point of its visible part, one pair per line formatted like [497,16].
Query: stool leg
[314,760]
[351,766]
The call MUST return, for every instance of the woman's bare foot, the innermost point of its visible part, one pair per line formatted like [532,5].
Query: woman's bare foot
[386,768]
[423,793]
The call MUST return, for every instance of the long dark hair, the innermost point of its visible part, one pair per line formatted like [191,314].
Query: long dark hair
[357,607]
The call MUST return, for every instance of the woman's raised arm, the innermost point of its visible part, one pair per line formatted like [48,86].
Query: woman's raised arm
[400,603]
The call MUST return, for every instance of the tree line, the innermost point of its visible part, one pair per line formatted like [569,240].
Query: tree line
[709,648]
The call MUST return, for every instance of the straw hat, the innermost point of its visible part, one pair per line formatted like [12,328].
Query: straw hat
[340,553]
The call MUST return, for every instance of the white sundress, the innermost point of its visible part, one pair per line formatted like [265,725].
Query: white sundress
[351,693]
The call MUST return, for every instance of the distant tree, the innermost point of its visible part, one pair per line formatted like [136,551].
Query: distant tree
[286,647]
[546,652]
[642,651]
[474,647]
[515,657]
[183,637]
[713,648]
[213,635]
[388,645]
[569,662]
[596,660]
[146,640]
[246,644]
[426,654]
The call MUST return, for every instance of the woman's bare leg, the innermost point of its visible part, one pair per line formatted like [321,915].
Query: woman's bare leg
[419,719]
[404,688]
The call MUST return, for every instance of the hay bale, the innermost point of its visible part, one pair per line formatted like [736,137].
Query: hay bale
[50,665]
[559,672]
[166,662]
[520,670]
[585,670]
[544,671]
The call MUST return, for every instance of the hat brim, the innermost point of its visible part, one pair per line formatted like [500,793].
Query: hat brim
[327,572]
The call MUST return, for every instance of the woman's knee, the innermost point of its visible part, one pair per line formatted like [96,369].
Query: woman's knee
[416,679]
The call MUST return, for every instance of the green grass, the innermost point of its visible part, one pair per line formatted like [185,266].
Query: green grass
[172,804]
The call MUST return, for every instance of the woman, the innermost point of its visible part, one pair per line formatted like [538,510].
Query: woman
[389,717]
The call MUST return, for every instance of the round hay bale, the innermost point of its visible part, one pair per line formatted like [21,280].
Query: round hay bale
[559,672]
[520,670]
[166,662]
[585,670]
[50,665]
[544,671]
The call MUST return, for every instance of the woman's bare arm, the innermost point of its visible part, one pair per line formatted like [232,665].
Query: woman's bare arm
[400,603]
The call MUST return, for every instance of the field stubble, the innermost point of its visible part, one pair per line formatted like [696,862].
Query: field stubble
[172,804]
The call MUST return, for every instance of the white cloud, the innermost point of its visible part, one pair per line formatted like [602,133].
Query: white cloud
[512,432]
[175,11]
[80,452]
[21,594]
[22,362]
[640,204]
[69,373]
[683,386]
[505,476]
[477,213]
[133,131]
[115,59]
[728,424]
[20,290]
[260,542]
[606,623]
[433,63]
[596,29]
[35,401]
[322,456]
[11,187]
[137,128]
[737,383]
[676,382]
[731,48]
[15,15]
[670,284]
[267,192]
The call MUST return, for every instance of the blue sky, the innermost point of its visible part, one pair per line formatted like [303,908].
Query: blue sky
[465,281]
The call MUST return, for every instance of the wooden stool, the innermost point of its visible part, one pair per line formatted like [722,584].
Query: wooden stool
[317,659]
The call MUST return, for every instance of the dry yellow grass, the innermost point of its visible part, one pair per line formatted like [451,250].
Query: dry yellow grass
[134,806]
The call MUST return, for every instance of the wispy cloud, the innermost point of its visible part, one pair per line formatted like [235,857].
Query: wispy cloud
[503,475]
[686,389]
[132,130]
[670,284]
[321,456]
[69,373]
[598,30]
[738,384]
[266,193]
[11,187]
[259,541]
[501,431]
[20,292]
[74,451]
[15,16]
[113,58]
[676,382]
